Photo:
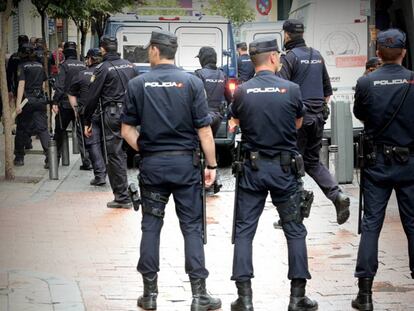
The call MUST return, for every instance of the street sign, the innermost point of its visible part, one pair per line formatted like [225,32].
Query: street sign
[263,6]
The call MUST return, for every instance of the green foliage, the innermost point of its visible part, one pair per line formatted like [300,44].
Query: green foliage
[159,7]
[237,11]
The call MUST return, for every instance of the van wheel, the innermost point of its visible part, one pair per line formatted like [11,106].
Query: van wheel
[225,156]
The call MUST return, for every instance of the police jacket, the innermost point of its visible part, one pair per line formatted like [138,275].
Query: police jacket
[245,68]
[79,86]
[376,97]
[11,73]
[32,72]
[169,105]
[67,70]
[108,83]
[306,67]
[267,107]
[214,84]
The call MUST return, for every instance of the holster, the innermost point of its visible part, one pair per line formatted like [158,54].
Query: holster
[369,151]
[196,157]
[253,157]
[401,154]
[326,111]
[298,165]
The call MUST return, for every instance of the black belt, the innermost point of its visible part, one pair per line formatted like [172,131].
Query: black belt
[167,153]
[262,156]
[381,148]
[113,104]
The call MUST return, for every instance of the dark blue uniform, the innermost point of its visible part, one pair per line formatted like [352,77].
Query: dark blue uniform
[245,68]
[267,107]
[80,88]
[305,66]
[109,83]
[33,118]
[67,71]
[376,97]
[215,85]
[170,106]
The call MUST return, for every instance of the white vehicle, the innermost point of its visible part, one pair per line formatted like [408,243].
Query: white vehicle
[254,30]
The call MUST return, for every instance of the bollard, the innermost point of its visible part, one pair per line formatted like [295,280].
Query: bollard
[53,160]
[324,153]
[333,160]
[75,140]
[65,149]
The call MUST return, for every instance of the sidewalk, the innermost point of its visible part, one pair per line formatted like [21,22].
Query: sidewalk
[62,249]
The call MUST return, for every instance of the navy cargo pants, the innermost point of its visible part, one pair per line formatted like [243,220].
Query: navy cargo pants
[309,144]
[94,148]
[176,175]
[117,158]
[253,189]
[378,184]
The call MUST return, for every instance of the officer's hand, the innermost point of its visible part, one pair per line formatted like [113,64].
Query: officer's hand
[18,110]
[55,108]
[233,124]
[209,177]
[88,131]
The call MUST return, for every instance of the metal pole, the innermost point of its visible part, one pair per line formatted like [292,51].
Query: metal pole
[372,35]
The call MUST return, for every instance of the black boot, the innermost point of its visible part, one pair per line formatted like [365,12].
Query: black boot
[148,300]
[201,300]
[363,301]
[342,203]
[244,302]
[298,300]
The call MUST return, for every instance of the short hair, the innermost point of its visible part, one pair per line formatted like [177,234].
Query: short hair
[243,48]
[295,36]
[389,54]
[166,51]
[260,59]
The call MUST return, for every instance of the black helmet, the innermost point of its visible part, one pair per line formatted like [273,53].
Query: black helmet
[22,39]
[70,45]
[110,44]
[207,55]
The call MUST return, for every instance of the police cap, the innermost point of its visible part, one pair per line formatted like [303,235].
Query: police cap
[391,38]
[110,44]
[22,39]
[293,26]
[263,45]
[241,45]
[70,45]
[164,38]
[94,53]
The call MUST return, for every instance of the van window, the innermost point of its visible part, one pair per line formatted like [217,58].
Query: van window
[131,42]
[191,39]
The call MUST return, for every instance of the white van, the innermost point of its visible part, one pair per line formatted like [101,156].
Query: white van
[254,30]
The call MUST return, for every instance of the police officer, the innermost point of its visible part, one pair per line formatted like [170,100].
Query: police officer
[383,101]
[171,108]
[32,119]
[268,110]
[372,64]
[108,86]
[305,66]
[245,66]
[64,111]
[78,93]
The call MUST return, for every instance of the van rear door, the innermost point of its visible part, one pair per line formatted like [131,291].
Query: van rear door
[191,37]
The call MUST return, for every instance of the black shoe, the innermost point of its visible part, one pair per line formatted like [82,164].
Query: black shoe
[298,300]
[278,224]
[412,275]
[342,203]
[363,301]
[46,166]
[201,300]
[28,146]
[85,167]
[97,182]
[148,300]
[115,204]
[244,301]
[18,162]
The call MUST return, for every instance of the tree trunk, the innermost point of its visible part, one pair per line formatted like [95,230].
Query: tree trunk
[7,114]
[78,41]
[84,31]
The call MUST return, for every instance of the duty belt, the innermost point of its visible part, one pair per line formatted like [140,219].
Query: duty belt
[384,147]
[166,153]
[261,156]
[113,104]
